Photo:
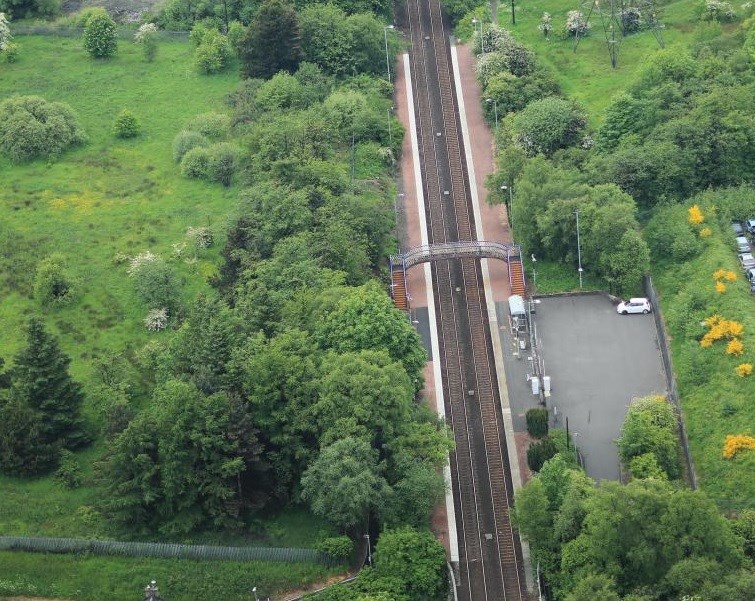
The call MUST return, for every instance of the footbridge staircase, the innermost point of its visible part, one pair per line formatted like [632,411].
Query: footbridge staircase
[400,263]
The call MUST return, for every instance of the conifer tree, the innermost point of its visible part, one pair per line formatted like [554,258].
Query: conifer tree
[40,380]
[271,43]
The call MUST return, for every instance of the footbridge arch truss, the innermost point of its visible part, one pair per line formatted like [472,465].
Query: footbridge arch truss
[477,249]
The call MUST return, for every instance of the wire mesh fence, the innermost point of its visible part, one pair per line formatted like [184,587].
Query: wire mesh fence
[75,32]
[164,550]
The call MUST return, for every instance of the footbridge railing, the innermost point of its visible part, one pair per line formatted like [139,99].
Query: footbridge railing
[457,250]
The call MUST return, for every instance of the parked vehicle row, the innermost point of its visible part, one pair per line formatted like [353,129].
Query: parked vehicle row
[744,248]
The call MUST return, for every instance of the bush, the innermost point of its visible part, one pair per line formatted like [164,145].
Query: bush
[716,10]
[196,163]
[213,53]
[156,320]
[186,140]
[100,36]
[224,158]
[157,285]
[548,124]
[52,283]
[126,125]
[146,35]
[576,24]
[537,422]
[11,52]
[339,548]
[513,93]
[630,19]
[213,125]
[540,452]
[69,471]
[31,127]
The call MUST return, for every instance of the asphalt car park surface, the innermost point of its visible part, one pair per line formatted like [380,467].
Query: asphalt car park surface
[598,362]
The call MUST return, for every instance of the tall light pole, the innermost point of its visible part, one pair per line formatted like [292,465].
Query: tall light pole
[510,208]
[513,14]
[369,549]
[475,21]
[534,271]
[254,592]
[495,108]
[390,135]
[579,252]
[387,58]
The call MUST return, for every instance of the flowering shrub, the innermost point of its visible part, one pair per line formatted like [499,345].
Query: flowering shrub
[201,236]
[736,443]
[156,320]
[735,347]
[720,287]
[140,260]
[696,216]
[576,24]
[743,369]
[5,35]
[630,19]
[100,35]
[146,35]
[717,10]
[545,24]
[706,232]
[719,328]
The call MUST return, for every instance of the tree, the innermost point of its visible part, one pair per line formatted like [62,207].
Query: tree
[594,586]
[6,38]
[271,43]
[213,53]
[41,382]
[364,319]
[624,267]
[146,36]
[53,284]
[24,449]
[23,9]
[324,38]
[31,127]
[415,558]
[100,35]
[157,285]
[548,124]
[414,496]
[126,125]
[344,483]
[532,514]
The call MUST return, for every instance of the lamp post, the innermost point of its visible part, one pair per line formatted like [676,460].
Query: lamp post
[390,135]
[387,58]
[510,208]
[534,271]
[579,252]
[254,592]
[475,21]
[369,549]
[495,109]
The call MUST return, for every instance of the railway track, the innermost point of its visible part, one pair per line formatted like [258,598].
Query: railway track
[490,565]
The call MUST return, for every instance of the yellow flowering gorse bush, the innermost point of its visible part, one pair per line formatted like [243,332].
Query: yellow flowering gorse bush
[696,216]
[743,369]
[736,443]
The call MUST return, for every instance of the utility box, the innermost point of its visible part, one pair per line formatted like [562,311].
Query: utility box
[518,313]
[547,386]
[535,382]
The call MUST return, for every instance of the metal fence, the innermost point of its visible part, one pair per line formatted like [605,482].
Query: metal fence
[668,368]
[75,32]
[163,550]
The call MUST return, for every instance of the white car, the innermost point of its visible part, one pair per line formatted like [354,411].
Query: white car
[746,260]
[634,305]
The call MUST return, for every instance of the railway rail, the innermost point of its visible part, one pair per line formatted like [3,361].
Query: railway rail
[490,560]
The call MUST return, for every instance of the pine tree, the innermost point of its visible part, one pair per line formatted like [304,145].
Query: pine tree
[23,451]
[271,43]
[40,381]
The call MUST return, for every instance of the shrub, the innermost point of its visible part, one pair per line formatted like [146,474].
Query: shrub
[157,285]
[338,547]
[196,163]
[540,452]
[696,216]
[224,158]
[139,260]
[146,36]
[716,10]
[69,471]
[576,24]
[11,52]
[126,125]
[213,125]
[537,422]
[630,19]
[548,124]
[743,369]
[213,53]
[735,444]
[31,127]
[100,36]
[200,236]
[546,26]
[52,283]
[186,140]
[156,320]
[5,34]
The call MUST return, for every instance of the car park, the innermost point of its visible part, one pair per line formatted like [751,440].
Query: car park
[736,226]
[750,225]
[743,245]
[747,261]
[634,305]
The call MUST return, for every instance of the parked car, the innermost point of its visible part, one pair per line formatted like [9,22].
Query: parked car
[750,225]
[743,245]
[634,305]
[738,229]
[751,275]
[747,261]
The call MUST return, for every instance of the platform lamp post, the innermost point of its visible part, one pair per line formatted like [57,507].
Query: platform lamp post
[534,271]
[254,592]
[369,549]
[475,21]
[579,252]
[510,207]
[387,58]
[495,109]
